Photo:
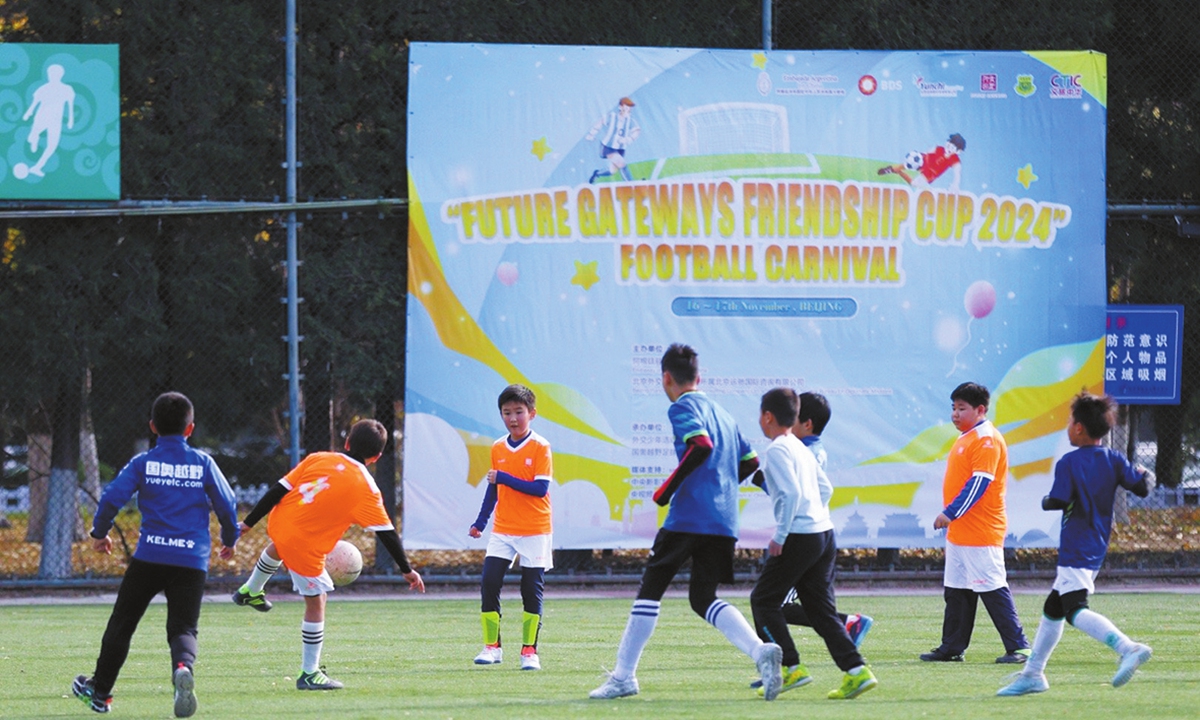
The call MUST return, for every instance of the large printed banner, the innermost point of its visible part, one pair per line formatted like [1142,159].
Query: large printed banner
[874,226]
[61,122]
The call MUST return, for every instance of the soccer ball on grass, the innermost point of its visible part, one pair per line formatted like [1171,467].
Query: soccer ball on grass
[343,563]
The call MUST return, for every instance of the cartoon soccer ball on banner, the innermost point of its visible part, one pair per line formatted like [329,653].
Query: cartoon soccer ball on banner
[913,161]
[343,563]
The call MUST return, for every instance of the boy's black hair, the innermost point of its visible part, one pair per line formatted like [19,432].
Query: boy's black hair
[972,394]
[814,406]
[782,403]
[682,362]
[367,439]
[957,141]
[517,393]
[1097,413]
[172,413]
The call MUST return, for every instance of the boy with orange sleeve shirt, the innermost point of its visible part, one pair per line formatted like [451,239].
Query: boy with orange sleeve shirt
[310,509]
[976,522]
[518,490]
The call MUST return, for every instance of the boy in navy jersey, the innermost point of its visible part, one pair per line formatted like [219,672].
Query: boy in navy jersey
[1086,481]
[176,485]
[701,525]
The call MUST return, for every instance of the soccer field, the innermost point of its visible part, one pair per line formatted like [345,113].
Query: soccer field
[412,658]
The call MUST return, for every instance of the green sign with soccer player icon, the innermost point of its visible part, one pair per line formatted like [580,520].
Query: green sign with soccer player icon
[60,114]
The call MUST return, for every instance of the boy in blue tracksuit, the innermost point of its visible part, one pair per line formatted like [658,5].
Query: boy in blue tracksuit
[176,486]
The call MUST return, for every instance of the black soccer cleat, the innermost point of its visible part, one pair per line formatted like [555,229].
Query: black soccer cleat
[258,601]
[83,689]
[939,655]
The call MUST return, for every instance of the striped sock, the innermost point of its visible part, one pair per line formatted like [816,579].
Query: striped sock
[642,619]
[732,624]
[263,570]
[313,635]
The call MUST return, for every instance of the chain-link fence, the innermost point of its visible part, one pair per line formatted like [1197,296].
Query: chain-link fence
[103,306]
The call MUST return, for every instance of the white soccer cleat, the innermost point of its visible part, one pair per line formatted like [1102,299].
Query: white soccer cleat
[1022,683]
[530,661]
[490,655]
[1130,662]
[614,688]
[769,660]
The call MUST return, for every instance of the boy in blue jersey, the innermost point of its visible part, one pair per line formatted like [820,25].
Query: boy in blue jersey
[1086,481]
[176,485]
[701,525]
[802,552]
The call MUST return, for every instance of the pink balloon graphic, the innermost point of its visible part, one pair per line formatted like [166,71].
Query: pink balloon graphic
[980,299]
[506,273]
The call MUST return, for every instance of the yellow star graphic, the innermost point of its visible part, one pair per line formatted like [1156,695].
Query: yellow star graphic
[585,274]
[1025,176]
[760,61]
[541,148]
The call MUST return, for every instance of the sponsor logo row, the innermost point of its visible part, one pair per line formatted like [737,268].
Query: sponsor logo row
[1060,86]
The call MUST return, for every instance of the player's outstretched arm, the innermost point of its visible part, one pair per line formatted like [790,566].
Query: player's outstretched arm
[1145,484]
[390,540]
[699,447]
[269,500]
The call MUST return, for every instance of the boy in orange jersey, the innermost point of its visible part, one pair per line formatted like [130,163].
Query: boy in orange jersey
[973,492]
[311,508]
[518,490]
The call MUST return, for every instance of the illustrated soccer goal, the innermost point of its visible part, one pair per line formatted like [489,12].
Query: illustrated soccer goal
[733,127]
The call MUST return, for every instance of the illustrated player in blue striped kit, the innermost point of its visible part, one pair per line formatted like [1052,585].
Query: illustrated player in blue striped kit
[619,131]
[1086,482]
[176,485]
[701,525]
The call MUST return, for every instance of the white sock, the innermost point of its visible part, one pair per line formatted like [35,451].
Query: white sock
[263,570]
[856,670]
[1049,632]
[730,621]
[313,635]
[1101,628]
[642,619]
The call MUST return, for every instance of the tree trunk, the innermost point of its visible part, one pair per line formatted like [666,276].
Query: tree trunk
[62,509]
[88,454]
[37,439]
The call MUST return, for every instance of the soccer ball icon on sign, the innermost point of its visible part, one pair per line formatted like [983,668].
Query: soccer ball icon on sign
[343,563]
[913,161]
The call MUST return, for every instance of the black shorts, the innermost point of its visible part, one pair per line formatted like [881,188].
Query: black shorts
[711,556]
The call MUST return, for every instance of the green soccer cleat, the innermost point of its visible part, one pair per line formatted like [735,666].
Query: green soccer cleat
[317,680]
[854,685]
[793,677]
[258,601]
[83,689]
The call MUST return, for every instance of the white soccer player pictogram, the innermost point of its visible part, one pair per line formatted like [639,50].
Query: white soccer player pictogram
[51,102]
